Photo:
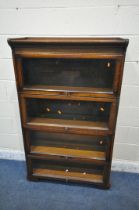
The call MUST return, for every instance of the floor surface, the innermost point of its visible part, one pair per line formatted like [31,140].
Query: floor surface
[16,193]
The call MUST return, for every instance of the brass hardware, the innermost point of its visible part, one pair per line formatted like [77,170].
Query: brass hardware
[101,142]
[108,64]
[84,173]
[102,109]
[59,112]
[48,109]
[67,170]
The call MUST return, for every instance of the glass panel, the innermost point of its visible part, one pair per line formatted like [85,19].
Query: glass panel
[70,166]
[69,110]
[68,141]
[96,73]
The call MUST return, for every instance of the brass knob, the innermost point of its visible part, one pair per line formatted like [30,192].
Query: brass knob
[67,170]
[102,109]
[101,142]
[84,173]
[59,112]
[108,64]
[48,109]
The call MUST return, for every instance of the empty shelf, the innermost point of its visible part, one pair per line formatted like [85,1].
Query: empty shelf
[97,155]
[59,174]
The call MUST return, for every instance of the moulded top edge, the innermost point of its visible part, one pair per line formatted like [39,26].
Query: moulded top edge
[65,40]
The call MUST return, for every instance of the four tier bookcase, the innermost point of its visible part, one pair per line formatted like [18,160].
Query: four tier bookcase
[68,91]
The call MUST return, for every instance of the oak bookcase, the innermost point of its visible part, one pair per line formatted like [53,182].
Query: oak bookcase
[68,91]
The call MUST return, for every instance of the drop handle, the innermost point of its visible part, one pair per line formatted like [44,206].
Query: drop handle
[102,109]
[48,109]
[101,142]
[59,112]
[108,64]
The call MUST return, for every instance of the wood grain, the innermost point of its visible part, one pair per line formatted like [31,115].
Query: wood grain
[72,91]
[68,175]
[96,40]
[68,126]
[99,155]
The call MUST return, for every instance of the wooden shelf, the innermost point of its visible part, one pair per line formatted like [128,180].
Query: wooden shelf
[59,174]
[67,126]
[87,154]
[73,91]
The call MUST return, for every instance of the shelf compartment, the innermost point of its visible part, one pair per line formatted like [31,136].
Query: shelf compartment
[94,73]
[68,145]
[87,111]
[67,171]
[73,176]
[67,115]
[68,126]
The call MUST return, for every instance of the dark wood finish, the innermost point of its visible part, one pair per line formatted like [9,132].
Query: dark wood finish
[116,41]
[68,90]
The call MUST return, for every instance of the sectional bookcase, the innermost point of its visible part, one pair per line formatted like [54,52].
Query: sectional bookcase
[68,91]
